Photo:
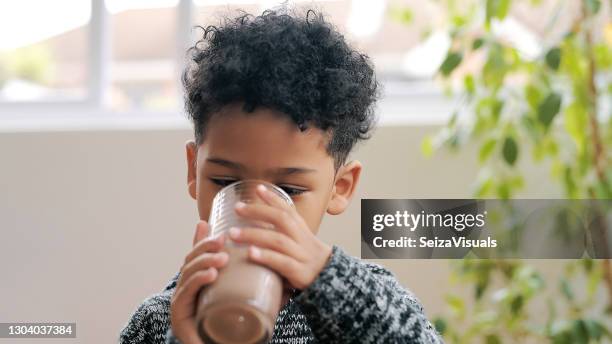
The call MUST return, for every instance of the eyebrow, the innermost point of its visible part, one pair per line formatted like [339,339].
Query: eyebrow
[278,171]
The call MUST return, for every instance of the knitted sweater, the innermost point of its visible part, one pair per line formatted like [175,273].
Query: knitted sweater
[350,301]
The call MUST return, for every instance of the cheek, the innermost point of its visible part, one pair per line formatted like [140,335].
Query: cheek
[311,208]
[205,196]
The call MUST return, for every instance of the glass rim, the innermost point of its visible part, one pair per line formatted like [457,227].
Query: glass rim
[237,183]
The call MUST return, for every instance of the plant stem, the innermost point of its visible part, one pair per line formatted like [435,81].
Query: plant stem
[599,156]
[598,152]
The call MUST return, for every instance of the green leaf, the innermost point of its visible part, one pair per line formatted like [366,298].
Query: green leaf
[566,289]
[496,9]
[570,183]
[402,14]
[469,84]
[456,304]
[483,187]
[603,55]
[575,120]
[587,263]
[533,95]
[516,182]
[529,123]
[603,189]
[517,304]
[593,5]
[488,111]
[596,329]
[452,60]
[459,20]
[580,332]
[503,190]
[440,325]
[550,146]
[427,146]
[486,149]
[594,281]
[553,58]
[496,109]
[510,150]
[575,62]
[549,108]
[492,339]
[478,42]
[495,69]
[503,8]
[482,282]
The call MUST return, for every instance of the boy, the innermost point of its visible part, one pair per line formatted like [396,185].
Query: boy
[283,98]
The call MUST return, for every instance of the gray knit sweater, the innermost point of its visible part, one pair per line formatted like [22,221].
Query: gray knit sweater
[351,301]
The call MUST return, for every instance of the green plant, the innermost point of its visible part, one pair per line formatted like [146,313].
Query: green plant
[32,63]
[551,105]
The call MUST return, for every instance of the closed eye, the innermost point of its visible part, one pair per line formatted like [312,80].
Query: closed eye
[291,191]
[222,182]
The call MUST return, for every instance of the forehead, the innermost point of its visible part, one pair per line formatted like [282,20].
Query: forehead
[264,138]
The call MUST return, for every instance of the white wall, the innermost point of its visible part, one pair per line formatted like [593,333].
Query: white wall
[92,222]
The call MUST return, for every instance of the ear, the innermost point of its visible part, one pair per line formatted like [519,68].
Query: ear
[190,148]
[344,187]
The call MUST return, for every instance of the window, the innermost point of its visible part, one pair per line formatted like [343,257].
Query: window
[143,68]
[123,58]
[43,52]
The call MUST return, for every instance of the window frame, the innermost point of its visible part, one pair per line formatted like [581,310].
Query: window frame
[413,105]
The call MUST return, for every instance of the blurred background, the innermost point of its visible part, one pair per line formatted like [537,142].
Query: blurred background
[94,210]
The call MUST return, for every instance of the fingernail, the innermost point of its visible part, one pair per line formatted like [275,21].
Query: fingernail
[255,252]
[240,205]
[234,232]
[261,187]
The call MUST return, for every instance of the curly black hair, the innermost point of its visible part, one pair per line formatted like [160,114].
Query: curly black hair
[298,65]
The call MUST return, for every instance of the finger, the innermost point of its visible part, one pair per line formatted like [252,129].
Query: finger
[282,220]
[269,239]
[273,198]
[191,335]
[185,296]
[202,262]
[284,265]
[208,244]
[200,232]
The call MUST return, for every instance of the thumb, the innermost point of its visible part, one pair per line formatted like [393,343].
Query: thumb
[201,231]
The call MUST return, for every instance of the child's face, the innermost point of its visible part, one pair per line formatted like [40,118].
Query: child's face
[263,145]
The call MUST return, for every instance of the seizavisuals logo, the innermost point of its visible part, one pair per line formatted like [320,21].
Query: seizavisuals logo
[456,228]
[435,242]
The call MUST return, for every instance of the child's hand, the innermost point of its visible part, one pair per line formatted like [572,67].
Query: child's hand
[292,249]
[199,269]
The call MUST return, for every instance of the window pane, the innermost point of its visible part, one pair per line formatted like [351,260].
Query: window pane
[366,24]
[43,50]
[211,12]
[143,69]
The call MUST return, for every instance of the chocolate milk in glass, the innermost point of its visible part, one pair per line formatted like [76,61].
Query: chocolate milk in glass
[241,305]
